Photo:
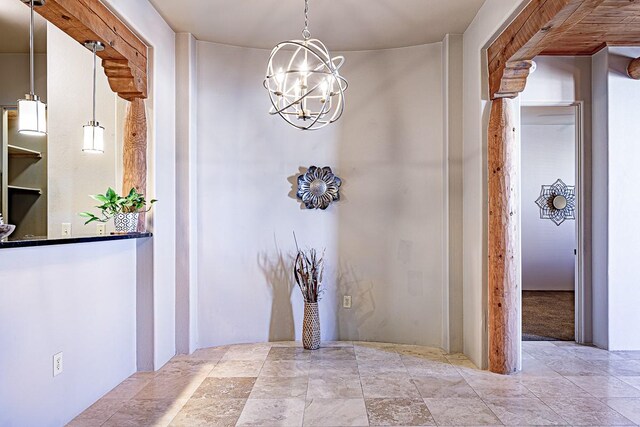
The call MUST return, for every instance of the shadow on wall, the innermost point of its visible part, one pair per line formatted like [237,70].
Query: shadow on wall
[277,273]
[293,180]
[350,322]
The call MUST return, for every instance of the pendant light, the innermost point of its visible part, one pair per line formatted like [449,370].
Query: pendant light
[304,85]
[93,132]
[32,116]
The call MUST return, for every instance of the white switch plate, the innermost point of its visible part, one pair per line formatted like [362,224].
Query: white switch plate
[57,364]
[66,229]
[346,301]
[101,229]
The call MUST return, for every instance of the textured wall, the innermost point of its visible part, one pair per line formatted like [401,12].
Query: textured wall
[384,239]
[64,304]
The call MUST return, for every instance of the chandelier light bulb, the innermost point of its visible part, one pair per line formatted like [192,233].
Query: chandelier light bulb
[324,88]
[280,76]
[309,93]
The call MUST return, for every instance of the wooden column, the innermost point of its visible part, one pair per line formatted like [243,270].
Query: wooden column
[134,153]
[504,245]
[634,69]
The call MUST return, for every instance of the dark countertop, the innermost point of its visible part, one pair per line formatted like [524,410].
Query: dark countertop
[43,241]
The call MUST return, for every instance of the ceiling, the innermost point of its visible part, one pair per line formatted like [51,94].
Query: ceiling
[14,28]
[341,24]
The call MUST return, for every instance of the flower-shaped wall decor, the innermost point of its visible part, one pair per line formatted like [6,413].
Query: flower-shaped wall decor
[318,187]
[557,202]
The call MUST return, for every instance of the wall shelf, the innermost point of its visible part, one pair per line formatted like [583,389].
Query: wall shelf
[15,151]
[24,189]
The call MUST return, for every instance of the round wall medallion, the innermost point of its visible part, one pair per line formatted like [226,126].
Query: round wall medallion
[557,202]
[318,187]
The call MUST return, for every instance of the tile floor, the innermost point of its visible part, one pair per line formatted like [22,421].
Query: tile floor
[362,384]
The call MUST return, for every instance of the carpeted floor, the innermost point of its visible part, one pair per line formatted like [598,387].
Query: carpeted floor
[548,316]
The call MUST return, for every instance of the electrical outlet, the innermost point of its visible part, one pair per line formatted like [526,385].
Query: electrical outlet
[346,301]
[101,229]
[66,229]
[57,364]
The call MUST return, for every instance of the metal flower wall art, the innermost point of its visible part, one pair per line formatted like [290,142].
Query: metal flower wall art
[318,187]
[557,202]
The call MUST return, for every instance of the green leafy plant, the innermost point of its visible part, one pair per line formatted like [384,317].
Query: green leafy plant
[113,204]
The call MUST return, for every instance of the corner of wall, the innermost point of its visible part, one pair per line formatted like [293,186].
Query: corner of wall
[452,177]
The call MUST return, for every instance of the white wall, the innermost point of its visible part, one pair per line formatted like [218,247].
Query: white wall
[186,197]
[452,68]
[384,239]
[491,18]
[157,264]
[78,299]
[548,154]
[600,206]
[72,173]
[623,203]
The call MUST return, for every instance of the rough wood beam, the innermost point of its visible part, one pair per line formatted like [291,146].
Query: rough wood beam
[85,20]
[634,69]
[134,153]
[541,24]
[514,79]
[504,244]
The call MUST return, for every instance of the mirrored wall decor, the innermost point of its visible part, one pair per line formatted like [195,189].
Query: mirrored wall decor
[557,202]
[318,187]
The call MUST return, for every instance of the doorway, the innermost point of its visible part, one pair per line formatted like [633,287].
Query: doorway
[551,262]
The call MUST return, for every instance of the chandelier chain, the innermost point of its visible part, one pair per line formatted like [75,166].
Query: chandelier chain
[305,33]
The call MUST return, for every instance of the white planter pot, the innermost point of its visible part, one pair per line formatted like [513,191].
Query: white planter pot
[126,222]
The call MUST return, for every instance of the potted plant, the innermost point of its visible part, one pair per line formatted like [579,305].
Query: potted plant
[308,270]
[124,210]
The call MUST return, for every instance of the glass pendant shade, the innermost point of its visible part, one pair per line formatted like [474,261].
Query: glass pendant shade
[93,132]
[32,116]
[93,138]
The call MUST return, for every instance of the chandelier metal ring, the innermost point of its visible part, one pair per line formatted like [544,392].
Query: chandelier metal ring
[304,83]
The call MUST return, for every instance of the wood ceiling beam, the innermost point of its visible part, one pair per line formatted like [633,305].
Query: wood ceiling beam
[125,55]
[634,69]
[541,25]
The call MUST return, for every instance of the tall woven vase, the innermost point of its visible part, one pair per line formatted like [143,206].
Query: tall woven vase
[311,326]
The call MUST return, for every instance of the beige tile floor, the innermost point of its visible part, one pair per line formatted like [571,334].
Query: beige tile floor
[362,384]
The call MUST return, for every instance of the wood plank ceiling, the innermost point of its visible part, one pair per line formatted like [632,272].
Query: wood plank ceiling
[612,22]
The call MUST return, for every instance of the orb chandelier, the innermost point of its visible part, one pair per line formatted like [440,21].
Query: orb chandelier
[303,81]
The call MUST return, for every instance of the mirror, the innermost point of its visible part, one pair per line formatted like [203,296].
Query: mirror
[46,180]
[559,202]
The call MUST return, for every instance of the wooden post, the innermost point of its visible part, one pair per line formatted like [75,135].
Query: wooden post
[634,69]
[134,153]
[504,245]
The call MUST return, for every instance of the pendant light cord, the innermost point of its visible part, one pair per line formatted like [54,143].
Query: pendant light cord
[305,33]
[95,46]
[31,81]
